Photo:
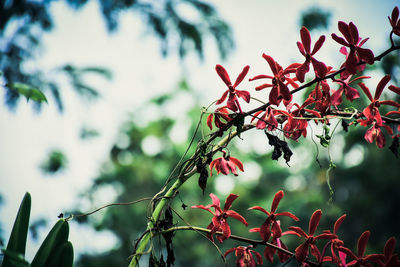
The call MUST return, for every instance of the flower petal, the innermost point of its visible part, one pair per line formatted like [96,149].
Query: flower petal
[381,85]
[243,94]
[314,221]
[272,63]
[275,202]
[221,71]
[288,214]
[302,252]
[344,29]
[237,162]
[338,223]
[237,216]
[305,39]
[229,200]
[318,44]
[362,243]
[241,76]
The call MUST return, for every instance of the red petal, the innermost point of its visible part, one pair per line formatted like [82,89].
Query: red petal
[354,32]
[241,76]
[229,200]
[288,214]
[362,243]
[318,44]
[314,221]
[347,251]
[229,251]
[302,252]
[209,120]
[394,89]
[258,88]
[202,207]
[243,94]
[215,200]
[261,76]
[269,253]
[344,29]
[319,67]
[351,93]
[223,74]
[305,39]
[258,256]
[366,91]
[297,230]
[237,163]
[260,209]
[366,54]
[395,16]
[271,63]
[273,96]
[237,216]
[301,48]
[338,223]
[326,236]
[340,40]
[223,97]
[302,70]
[351,62]
[381,85]
[275,202]
[336,97]
[389,247]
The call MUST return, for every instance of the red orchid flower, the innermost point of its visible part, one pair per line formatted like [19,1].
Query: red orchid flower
[322,96]
[395,21]
[361,260]
[271,225]
[221,117]
[226,164]
[305,48]
[245,257]
[336,242]
[233,102]
[350,92]
[294,128]
[219,221]
[354,43]
[270,251]
[371,112]
[279,81]
[267,120]
[302,250]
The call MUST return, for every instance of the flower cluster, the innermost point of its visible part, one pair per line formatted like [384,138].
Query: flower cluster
[271,234]
[324,100]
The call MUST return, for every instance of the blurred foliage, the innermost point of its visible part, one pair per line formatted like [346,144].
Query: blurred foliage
[315,18]
[88,133]
[367,191]
[179,24]
[56,161]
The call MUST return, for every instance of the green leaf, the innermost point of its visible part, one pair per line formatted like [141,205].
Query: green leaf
[56,237]
[61,256]
[28,91]
[17,243]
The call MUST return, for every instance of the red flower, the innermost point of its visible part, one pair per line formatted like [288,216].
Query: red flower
[269,252]
[361,260]
[350,92]
[336,242]
[245,257]
[372,115]
[220,113]
[233,103]
[305,48]
[267,120]
[354,43]
[302,250]
[395,21]
[322,96]
[271,225]
[279,80]
[226,164]
[219,221]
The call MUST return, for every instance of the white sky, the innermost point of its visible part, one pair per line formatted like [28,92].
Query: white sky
[139,73]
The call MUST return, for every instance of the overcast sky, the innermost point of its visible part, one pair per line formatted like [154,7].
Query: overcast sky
[140,72]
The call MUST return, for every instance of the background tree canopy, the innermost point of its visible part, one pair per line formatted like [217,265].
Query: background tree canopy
[155,136]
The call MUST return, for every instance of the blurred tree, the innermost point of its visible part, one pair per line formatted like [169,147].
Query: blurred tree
[314,18]
[22,24]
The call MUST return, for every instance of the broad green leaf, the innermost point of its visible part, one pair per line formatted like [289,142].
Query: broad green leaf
[56,237]
[29,92]
[17,242]
[61,256]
